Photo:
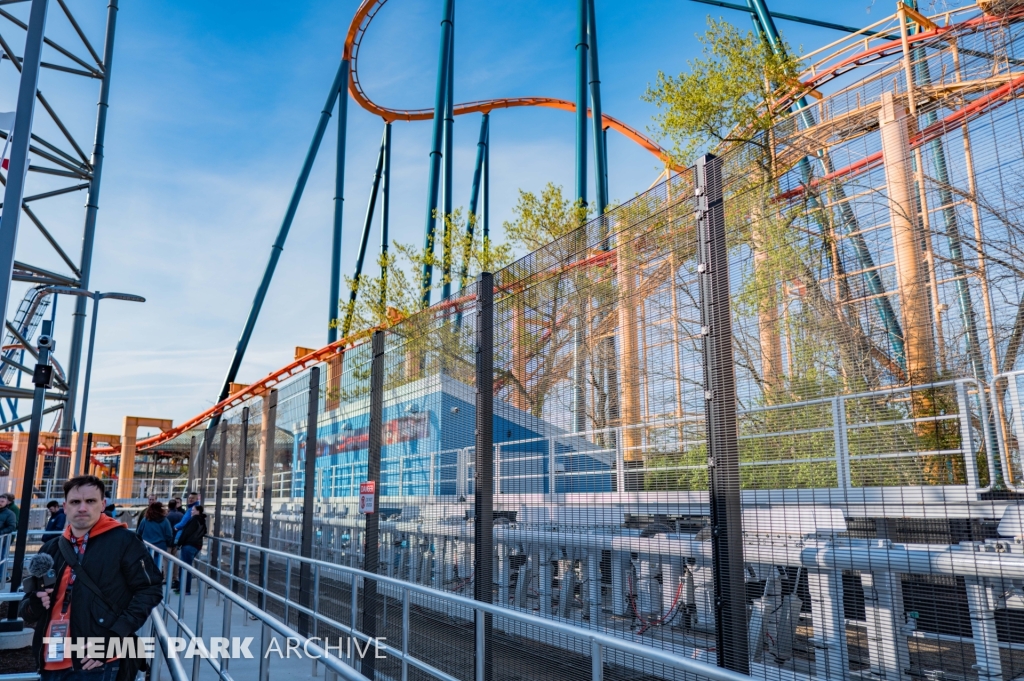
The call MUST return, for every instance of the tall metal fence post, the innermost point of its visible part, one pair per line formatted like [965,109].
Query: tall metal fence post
[308,492]
[483,487]
[87,459]
[222,460]
[236,533]
[204,461]
[371,535]
[41,378]
[269,426]
[193,462]
[721,421]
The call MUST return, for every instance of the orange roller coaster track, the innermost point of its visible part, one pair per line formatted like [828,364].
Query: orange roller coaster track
[357,31]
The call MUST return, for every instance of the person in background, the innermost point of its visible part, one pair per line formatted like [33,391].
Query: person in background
[111,509]
[11,505]
[154,529]
[191,541]
[193,499]
[174,512]
[179,527]
[55,523]
[8,518]
[8,525]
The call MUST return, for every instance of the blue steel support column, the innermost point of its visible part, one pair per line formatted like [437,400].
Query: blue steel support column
[579,416]
[474,196]
[581,101]
[766,25]
[604,150]
[435,151]
[333,317]
[92,206]
[446,202]
[282,235]
[487,187]
[364,240]
[385,215]
[600,156]
[15,190]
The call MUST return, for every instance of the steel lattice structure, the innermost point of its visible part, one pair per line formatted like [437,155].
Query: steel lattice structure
[61,167]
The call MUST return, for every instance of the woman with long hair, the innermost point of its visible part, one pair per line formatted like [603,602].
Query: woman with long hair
[155,529]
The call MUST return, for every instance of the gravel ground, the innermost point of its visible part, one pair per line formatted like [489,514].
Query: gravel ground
[18,660]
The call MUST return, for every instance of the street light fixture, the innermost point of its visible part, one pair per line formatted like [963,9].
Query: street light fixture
[96,298]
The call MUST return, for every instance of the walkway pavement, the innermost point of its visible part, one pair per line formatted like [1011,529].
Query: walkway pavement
[295,667]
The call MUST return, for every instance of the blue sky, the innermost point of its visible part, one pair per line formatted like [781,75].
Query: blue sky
[212,108]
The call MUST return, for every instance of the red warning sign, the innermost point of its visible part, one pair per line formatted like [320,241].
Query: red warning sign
[366,495]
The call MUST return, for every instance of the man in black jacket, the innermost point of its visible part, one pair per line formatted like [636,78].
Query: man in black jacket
[55,523]
[107,585]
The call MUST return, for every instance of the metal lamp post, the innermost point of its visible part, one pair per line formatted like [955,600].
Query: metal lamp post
[96,298]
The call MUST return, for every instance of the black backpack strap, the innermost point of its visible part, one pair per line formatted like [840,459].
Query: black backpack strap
[71,558]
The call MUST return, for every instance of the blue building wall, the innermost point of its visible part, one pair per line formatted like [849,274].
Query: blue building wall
[435,427]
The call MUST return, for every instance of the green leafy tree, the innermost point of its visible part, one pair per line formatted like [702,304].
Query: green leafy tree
[725,97]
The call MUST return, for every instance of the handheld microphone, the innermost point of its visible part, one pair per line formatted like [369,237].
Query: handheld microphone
[41,574]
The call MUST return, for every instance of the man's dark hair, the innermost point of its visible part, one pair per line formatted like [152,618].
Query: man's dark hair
[85,481]
[172,504]
[53,503]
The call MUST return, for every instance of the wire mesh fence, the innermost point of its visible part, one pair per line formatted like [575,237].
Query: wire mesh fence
[782,437]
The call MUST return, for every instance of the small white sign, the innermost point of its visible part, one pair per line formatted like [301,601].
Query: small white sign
[366,495]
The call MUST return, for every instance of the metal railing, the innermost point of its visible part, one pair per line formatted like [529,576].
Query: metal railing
[602,648]
[6,555]
[1006,396]
[175,616]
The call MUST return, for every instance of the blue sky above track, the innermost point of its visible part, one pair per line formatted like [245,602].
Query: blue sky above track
[212,108]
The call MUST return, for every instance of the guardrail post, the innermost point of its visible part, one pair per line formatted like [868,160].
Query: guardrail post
[309,490]
[963,407]
[982,603]
[843,476]
[371,534]
[269,427]
[497,469]
[1017,422]
[236,534]
[620,464]
[552,480]
[720,415]
[203,461]
[432,475]
[483,486]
